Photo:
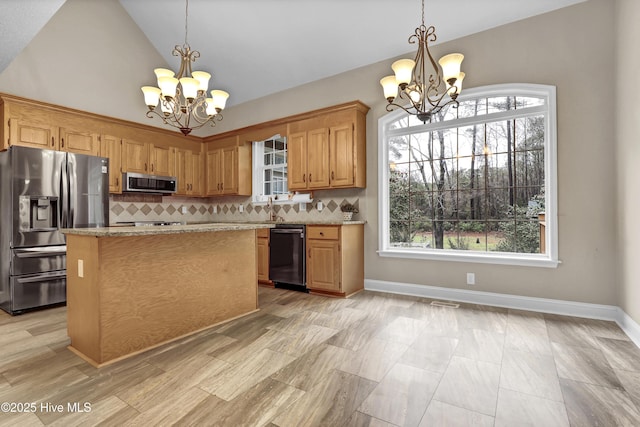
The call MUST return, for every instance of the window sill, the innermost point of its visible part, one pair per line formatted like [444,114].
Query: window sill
[529,260]
[282,200]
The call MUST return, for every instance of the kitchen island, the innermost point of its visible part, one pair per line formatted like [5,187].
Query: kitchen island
[130,289]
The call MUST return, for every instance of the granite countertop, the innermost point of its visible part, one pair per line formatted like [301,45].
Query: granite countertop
[164,229]
[317,222]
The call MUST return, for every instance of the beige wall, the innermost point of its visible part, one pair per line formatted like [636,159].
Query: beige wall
[628,154]
[559,48]
[572,48]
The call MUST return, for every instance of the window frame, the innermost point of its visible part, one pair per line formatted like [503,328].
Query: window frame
[550,258]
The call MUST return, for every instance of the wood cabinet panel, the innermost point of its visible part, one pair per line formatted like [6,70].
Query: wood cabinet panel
[197,174]
[263,259]
[81,142]
[230,170]
[318,158]
[161,161]
[335,259]
[35,134]
[341,151]
[214,173]
[297,161]
[323,265]
[111,148]
[135,156]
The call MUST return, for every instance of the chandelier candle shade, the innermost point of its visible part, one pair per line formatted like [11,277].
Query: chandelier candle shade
[183,97]
[425,95]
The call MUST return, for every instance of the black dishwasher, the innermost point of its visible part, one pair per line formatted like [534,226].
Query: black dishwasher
[287,257]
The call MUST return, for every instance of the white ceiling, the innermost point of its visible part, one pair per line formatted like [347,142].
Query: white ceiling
[257,47]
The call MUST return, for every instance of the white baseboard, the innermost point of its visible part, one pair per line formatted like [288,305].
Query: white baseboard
[542,305]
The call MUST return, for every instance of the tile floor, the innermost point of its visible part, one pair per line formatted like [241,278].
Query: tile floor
[371,360]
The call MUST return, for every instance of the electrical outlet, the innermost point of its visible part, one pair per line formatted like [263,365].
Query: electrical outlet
[471,279]
[183,209]
[215,209]
[320,206]
[80,268]
[302,207]
[240,208]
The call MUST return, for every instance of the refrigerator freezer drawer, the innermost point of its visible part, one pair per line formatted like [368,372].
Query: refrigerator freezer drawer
[38,260]
[37,290]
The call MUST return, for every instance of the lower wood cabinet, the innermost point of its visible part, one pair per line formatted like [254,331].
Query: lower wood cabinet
[335,259]
[263,256]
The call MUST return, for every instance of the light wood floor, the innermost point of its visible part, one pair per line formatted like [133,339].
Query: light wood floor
[371,360]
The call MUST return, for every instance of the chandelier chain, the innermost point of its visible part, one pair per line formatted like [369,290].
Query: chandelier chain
[186,22]
[422,13]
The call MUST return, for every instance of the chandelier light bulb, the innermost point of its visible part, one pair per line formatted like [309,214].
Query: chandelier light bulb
[151,96]
[451,66]
[203,79]
[210,110]
[189,88]
[415,96]
[219,99]
[168,86]
[403,69]
[389,87]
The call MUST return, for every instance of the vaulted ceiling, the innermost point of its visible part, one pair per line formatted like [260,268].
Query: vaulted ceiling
[257,47]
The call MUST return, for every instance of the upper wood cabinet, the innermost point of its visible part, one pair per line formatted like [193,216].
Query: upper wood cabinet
[328,150]
[142,157]
[189,172]
[81,142]
[32,133]
[111,148]
[308,159]
[228,170]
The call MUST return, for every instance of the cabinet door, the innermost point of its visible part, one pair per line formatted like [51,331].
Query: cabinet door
[111,147]
[162,161]
[230,170]
[323,265]
[135,156]
[197,175]
[214,173]
[318,158]
[181,170]
[297,161]
[341,150]
[33,134]
[263,259]
[79,142]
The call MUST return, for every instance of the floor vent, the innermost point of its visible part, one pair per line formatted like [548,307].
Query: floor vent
[445,304]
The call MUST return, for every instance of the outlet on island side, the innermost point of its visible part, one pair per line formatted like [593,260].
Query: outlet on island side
[471,278]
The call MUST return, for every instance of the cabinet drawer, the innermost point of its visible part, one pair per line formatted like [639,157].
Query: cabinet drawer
[326,233]
[263,232]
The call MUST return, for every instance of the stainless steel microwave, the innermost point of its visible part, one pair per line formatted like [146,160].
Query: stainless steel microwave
[141,183]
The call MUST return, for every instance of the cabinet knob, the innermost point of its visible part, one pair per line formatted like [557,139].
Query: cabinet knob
[322,233]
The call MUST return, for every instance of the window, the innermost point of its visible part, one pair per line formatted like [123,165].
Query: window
[270,168]
[477,183]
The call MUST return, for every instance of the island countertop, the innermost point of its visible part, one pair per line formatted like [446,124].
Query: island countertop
[164,229]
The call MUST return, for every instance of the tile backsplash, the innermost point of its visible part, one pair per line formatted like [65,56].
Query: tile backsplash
[125,208]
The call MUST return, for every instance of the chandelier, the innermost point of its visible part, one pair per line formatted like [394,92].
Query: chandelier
[426,95]
[183,98]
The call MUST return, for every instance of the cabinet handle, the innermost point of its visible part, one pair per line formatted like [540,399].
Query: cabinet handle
[309,177]
[151,167]
[62,142]
[332,176]
[145,167]
[222,185]
[53,142]
[304,178]
[309,252]
[117,181]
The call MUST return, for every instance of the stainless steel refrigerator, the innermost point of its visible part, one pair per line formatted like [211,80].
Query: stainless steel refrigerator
[42,191]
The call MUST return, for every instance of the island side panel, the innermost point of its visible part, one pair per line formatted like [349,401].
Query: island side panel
[352,258]
[83,296]
[160,287]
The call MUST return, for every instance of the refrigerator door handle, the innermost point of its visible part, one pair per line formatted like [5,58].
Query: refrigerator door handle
[72,189]
[64,196]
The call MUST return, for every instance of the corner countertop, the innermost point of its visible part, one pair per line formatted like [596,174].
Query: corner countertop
[164,229]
